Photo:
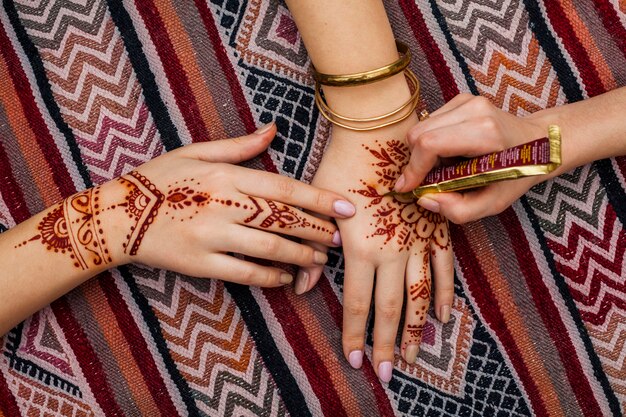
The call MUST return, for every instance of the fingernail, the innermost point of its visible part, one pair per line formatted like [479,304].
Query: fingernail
[344,208]
[286,278]
[399,183]
[264,128]
[319,258]
[445,313]
[337,238]
[356,359]
[384,371]
[410,353]
[302,282]
[428,204]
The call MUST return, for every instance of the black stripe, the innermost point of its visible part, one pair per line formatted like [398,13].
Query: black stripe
[167,130]
[615,192]
[548,43]
[452,45]
[45,90]
[155,331]
[572,309]
[290,392]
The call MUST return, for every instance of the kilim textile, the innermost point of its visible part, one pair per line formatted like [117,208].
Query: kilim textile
[90,89]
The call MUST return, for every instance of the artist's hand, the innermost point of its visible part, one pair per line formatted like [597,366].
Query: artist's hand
[467,126]
[395,241]
[210,207]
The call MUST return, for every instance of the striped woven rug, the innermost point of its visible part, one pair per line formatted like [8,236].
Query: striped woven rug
[91,88]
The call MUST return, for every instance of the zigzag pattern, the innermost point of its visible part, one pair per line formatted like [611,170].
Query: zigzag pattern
[47,21]
[99,95]
[610,342]
[587,239]
[210,344]
[505,59]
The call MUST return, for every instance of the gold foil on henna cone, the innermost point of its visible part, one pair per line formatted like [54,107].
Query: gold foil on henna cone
[397,218]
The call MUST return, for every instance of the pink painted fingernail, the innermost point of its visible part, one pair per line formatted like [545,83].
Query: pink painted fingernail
[344,208]
[356,359]
[337,238]
[428,204]
[384,371]
[399,183]
[410,353]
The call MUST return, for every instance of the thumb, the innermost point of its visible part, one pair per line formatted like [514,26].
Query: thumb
[464,207]
[233,150]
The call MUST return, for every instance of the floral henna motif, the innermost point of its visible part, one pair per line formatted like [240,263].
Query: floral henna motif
[142,205]
[72,227]
[182,196]
[394,217]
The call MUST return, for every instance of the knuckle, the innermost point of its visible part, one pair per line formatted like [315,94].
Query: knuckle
[270,244]
[384,347]
[428,141]
[323,200]
[286,188]
[389,311]
[357,308]
[481,104]
[248,276]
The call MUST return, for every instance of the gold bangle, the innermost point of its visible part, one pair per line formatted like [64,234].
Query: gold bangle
[367,77]
[331,116]
[321,102]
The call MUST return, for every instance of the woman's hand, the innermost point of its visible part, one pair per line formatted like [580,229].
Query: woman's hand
[468,126]
[186,210]
[396,241]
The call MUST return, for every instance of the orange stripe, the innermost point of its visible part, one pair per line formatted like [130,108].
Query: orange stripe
[186,54]
[37,164]
[338,370]
[118,345]
[586,39]
[515,323]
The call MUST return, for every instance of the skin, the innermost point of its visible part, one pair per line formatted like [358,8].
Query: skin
[346,37]
[469,126]
[184,211]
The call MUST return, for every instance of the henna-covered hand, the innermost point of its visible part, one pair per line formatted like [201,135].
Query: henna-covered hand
[187,210]
[392,239]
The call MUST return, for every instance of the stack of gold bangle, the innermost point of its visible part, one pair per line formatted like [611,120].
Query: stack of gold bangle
[367,77]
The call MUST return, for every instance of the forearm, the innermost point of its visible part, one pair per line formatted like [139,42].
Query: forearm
[344,37]
[56,250]
[591,129]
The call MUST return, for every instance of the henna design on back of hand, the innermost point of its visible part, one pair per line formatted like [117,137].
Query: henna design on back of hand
[142,205]
[394,218]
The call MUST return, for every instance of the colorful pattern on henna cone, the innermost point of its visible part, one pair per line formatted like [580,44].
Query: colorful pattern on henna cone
[395,218]
[142,205]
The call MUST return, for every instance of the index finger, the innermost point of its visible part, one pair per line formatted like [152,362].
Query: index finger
[290,191]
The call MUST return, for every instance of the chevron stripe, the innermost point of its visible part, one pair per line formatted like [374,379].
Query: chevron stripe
[610,342]
[504,58]
[48,21]
[210,344]
[98,93]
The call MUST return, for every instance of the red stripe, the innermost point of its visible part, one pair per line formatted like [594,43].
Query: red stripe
[437,62]
[8,406]
[551,316]
[564,30]
[308,358]
[612,23]
[176,75]
[138,347]
[10,190]
[487,303]
[241,104]
[336,311]
[31,111]
[87,358]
